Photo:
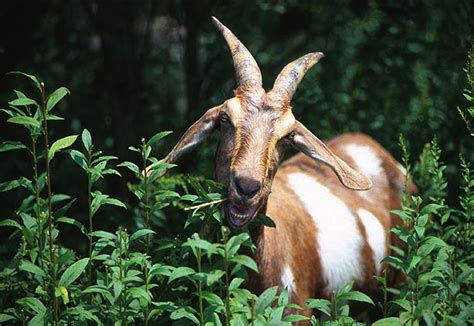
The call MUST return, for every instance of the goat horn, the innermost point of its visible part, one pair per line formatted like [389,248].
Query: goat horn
[246,68]
[287,81]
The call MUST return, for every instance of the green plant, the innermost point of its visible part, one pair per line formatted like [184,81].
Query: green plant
[198,275]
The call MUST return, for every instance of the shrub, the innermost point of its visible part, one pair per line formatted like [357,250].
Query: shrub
[197,276]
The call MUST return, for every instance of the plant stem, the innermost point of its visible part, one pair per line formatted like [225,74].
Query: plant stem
[52,260]
[122,295]
[227,279]
[145,195]
[146,289]
[37,197]
[89,207]
[334,306]
[385,300]
[201,310]
[205,204]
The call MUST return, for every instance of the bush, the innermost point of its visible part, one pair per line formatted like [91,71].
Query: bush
[197,276]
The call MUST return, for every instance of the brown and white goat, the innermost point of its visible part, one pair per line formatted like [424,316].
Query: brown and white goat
[326,233]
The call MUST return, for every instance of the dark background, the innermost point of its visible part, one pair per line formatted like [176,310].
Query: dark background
[138,67]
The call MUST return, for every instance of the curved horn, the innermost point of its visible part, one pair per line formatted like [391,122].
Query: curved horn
[246,68]
[290,76]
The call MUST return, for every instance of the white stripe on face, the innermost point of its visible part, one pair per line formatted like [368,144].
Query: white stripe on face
[338,238]
[375,236]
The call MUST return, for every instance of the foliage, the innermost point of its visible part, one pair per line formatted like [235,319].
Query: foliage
[197,274]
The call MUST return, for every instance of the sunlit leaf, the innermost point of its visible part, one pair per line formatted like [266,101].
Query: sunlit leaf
[28,266]
[33,303]
[73,272]
[140,233]
[86,139]
[157,137]
[55,97]
[11,145]
[33,78]
[25,121]
[23,101]
[61,144]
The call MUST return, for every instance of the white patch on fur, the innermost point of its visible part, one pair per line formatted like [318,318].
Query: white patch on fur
[288,281]
[375,236]
[338,239]
[366,160]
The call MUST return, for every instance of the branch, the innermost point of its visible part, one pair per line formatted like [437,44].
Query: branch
[205,204]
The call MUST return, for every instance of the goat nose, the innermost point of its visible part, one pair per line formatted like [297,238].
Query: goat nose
[247,187]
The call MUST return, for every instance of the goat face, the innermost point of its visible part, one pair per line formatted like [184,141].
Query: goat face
[254,135]
[256,126]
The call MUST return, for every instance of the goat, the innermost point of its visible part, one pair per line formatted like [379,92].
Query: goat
[326,234]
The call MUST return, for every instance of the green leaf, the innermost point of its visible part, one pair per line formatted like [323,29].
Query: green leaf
[138,293]
[294,318]
[235,283]
[103,235]
[265,299]
[355,296]
[405,304]
[11,145]
[265,220]
[73,272]
[321,305]
[25,121]
[96,289]
[9,222]
[234,243]
[140,233]
[71,221]
[114,202]
[430,209]
[5,317]
[9,185]
[52,117]
[131,166]
[79,158]
[212,298]
[245,261]
[60,144]
[55,97]
[157,137]
[28,266]
[23,101]
[180,272]
[184,312]
[390,321]
[86,139]
[33,78]
[38,320]
[32,303]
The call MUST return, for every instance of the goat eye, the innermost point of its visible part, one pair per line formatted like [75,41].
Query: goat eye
[290,136]
[223,117]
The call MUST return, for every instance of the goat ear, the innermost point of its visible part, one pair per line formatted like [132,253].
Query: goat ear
[195,134]
[306,142]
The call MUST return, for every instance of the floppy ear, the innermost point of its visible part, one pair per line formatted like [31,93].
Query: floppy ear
[309,144]
[195,134]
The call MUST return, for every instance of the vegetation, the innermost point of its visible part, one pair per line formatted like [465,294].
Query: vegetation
[88,238]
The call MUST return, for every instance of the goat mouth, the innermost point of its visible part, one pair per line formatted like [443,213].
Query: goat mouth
[239,216]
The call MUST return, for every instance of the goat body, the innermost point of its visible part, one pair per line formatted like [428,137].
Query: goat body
[327,235]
